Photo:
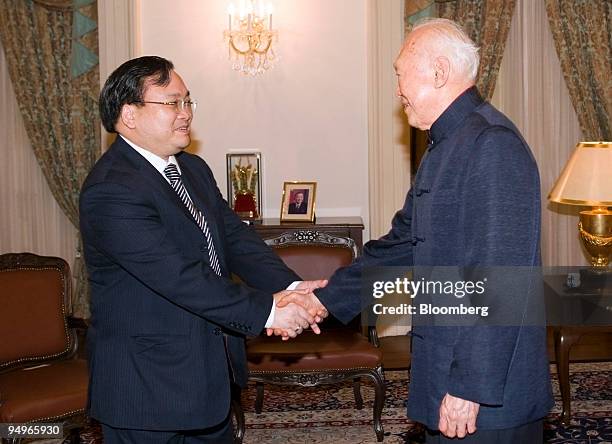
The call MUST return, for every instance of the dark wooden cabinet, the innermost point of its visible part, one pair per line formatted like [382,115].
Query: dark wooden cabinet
[351,227]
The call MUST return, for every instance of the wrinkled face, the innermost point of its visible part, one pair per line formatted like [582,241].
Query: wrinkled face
[299,198]
[415,82]
[162,129]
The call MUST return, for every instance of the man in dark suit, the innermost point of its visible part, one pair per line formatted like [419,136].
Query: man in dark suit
[167,321]
[299,205]
[475,202]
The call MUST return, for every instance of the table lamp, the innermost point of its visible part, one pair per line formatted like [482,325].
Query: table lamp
[586,180]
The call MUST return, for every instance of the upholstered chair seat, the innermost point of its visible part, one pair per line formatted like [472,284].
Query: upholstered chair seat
[49,391]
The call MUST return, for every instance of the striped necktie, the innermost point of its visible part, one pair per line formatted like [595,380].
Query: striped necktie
[171,172]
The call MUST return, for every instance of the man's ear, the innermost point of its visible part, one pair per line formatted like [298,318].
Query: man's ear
[128,116]
[441,71]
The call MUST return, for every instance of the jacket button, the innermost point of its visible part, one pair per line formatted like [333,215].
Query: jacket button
[202,248]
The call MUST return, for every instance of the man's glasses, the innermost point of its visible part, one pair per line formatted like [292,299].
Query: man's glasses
[179,105]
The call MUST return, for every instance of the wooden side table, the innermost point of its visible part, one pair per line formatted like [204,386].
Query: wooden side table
[565,338]
[573,313]
[351,227]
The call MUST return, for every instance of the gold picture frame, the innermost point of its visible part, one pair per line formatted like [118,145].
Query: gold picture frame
[298,202]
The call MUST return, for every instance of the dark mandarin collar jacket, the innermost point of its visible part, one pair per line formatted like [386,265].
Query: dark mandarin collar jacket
[475,202]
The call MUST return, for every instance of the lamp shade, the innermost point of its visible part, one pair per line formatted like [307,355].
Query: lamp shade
[587,177]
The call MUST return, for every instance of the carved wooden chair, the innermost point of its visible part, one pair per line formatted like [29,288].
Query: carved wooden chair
[40,380]
[339,353]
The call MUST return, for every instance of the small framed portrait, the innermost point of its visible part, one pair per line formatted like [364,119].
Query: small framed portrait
[298,202]
[244,184]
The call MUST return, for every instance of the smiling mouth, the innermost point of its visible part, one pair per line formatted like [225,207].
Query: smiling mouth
[183,129]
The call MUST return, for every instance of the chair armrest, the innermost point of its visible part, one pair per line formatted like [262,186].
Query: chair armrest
[80,327]
[373,336]
[78,323]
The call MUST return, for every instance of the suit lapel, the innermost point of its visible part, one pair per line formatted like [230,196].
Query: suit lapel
[198,191]
[201,195]
[149,174]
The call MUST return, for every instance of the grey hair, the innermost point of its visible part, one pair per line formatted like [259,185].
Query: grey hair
[462,51]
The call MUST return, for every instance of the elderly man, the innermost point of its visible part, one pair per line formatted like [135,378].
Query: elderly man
[167,321]
[298,206]
[475,202]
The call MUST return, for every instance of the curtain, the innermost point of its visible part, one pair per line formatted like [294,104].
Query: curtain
[30,218]
[531,91]
[59,109]
[582,31]
[55,4]
[487,23]
[414,10]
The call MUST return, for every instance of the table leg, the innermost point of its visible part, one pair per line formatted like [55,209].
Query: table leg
[565,338]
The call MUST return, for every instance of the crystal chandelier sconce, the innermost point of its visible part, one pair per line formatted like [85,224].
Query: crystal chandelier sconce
[250,37]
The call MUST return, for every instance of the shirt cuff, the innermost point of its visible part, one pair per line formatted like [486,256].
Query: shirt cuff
[271,317]
[293,285]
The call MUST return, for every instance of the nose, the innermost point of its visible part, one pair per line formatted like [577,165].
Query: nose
[185,113]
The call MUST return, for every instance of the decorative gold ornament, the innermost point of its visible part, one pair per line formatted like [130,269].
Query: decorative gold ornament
[244,181]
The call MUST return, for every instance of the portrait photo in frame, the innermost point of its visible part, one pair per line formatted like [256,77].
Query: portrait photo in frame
[244,184]
[298,202]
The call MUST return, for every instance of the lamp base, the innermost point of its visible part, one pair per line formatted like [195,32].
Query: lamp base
[595,229]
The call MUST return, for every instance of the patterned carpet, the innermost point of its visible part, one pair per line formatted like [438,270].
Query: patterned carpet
[327,414]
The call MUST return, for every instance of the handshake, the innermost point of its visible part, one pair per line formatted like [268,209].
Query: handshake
[297,309]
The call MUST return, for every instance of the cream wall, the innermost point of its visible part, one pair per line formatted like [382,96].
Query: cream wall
[308,115]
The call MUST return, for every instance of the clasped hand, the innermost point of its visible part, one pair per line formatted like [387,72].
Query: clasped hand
[298,309]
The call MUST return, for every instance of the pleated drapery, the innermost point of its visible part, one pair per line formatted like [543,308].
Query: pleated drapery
[487,23]
[582,30]
[59,110]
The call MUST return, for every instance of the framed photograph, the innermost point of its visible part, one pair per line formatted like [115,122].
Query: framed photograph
[244,184]
[298,202]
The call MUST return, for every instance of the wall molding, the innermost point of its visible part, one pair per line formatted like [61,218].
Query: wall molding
[388,131]
[119,40]
[388,140]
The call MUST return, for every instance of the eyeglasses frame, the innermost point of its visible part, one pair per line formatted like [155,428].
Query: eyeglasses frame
[178,108]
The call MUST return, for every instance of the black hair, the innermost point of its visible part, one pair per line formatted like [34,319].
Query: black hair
[126,85]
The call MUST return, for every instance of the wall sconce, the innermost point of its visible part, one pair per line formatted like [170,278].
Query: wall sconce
[587,180]
[250,37]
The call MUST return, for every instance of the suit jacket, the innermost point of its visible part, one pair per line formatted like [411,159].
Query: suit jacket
[293,209]
[161,319]
[475,203]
